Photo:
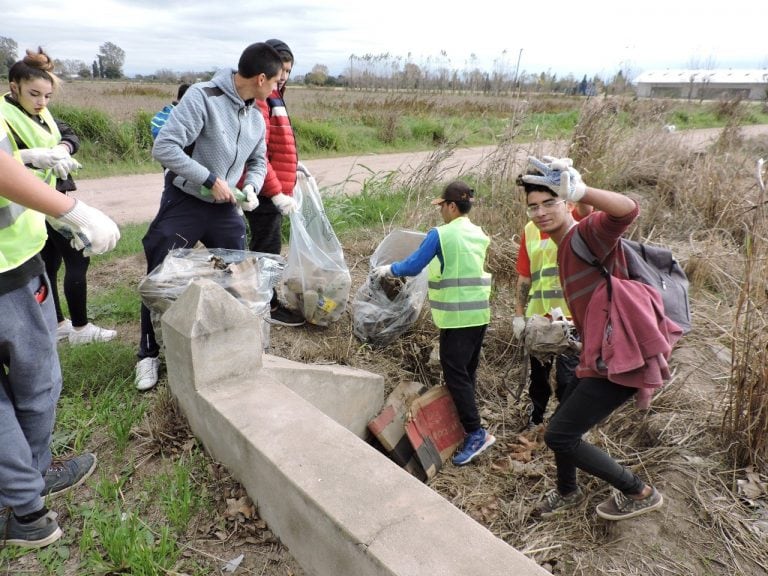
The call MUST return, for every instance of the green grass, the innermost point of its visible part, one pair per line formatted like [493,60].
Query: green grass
[179,496]
[100,409]
[116,541]
[370,123]
[99,406]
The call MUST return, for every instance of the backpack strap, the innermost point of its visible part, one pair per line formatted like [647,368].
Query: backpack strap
[581,249]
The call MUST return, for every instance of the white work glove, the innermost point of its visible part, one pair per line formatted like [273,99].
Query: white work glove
[89,229]
[285,204]
[65,167]
[43,157]
[518,327]
[380,272]
[250,199]
[303,169]
[559,175]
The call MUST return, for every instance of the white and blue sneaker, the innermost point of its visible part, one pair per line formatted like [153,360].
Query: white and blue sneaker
[475,443]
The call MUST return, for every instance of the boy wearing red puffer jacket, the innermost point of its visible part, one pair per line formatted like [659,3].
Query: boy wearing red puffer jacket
[276,195]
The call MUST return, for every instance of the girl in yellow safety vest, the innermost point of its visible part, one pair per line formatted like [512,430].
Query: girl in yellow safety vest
[46,147]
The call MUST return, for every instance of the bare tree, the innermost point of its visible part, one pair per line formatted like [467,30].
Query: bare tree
[166,75]
[8,49]
[317,76]
[111,59]
[68,68]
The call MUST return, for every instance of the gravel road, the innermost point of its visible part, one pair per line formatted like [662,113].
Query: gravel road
[129,199]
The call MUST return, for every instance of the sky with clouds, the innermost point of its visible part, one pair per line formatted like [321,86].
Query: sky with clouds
[589,37]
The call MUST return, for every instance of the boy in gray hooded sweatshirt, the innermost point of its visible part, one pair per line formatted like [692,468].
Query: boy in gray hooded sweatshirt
[214,133]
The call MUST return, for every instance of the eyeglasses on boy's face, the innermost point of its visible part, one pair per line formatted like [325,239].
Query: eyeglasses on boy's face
[546,206]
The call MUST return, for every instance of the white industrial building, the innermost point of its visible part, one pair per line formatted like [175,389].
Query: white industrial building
[703,84]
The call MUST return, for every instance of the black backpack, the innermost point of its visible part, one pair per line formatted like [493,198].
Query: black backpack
[651,265]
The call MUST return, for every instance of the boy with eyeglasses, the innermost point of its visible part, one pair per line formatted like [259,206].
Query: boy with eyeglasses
[538,291]
[595,397]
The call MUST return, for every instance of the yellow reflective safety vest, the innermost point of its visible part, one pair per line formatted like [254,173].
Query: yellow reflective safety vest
[459,293]
[32,133]
[22,231]
[545,292]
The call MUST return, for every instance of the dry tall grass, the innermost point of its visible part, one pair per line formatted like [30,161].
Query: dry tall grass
[746,420]
[702,203]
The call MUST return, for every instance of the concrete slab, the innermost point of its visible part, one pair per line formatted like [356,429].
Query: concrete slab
[351,397]
[338,505]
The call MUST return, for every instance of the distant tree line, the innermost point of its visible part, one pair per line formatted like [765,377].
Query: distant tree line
[108,62]
[368,72]
[387,72]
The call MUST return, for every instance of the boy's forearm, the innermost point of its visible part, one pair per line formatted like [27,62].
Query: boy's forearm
[522,292]
[612,203]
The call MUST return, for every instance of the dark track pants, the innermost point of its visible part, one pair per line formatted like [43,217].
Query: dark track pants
[459,357]
[181,222]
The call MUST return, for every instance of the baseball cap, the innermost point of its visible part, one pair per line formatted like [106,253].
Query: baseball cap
[456,191]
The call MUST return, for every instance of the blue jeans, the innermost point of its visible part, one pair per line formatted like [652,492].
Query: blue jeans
[588,404]
[30,384]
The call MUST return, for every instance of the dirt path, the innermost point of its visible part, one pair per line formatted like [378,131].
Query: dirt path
[129,199]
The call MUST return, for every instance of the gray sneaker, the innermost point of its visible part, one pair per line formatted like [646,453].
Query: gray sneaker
[63,475]
[619,506]
[554,503]
[42,532]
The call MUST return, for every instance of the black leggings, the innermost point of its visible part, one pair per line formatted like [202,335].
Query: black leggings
[265,224]
[57,249]
[588,404]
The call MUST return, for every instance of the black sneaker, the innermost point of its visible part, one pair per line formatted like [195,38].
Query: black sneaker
[63,475]
[620,506]
[285,317]
[555,503]
[43,531]
[529,426]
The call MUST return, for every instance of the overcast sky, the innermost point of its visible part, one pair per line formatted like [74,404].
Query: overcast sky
[587,37]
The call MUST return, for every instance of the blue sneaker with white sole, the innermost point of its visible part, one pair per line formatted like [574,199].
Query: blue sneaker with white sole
[475,443]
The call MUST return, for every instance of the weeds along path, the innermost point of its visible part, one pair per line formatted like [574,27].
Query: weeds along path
[135,199]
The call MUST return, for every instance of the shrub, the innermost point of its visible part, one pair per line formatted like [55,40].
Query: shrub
[316,136]
[88,123]
[141,125]
[428,130]
[105,138]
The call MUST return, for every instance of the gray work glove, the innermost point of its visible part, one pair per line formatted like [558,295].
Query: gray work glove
[65,167]
[88,229]
[380,272]
[559,175]
[250,200]
[518,327]
[285,204]
[44,157]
